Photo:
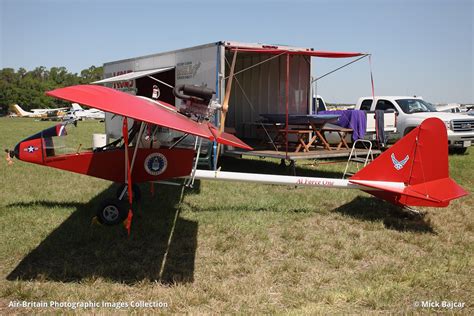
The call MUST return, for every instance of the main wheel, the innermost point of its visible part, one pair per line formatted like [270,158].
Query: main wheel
[136,192]
[112,212]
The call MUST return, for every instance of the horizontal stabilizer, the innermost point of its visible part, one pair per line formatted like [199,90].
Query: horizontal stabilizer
[435,193]
[442,190]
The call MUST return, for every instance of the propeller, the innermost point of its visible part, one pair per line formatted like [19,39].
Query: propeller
[9,157]
[225,104]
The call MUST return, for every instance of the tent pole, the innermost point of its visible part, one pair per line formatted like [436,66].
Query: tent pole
[287,92]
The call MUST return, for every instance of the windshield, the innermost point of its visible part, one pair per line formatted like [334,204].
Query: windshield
[58,141]
[415,106]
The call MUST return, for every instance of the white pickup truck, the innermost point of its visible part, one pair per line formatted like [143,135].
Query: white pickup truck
[390,119]
[411,111]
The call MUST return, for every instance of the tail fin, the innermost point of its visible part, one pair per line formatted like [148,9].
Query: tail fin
[19,111]
[420,162]
[76,107]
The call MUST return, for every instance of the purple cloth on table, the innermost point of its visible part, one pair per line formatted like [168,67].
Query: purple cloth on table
[354,119]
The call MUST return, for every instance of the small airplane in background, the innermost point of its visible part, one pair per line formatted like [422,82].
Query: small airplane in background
[413,172]
[40,113]
[76,112]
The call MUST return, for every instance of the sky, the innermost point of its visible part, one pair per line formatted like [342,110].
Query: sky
[418,47]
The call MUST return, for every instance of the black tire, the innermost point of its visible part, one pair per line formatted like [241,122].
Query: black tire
[112,212]
[458,150]
[408,130]
[136,192]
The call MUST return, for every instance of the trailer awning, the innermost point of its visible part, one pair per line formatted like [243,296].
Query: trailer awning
[313,53]
[133,75]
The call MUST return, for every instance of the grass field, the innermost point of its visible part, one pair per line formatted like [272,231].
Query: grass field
[228,247]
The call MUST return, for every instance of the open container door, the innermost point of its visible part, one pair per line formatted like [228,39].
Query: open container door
[260,87]
[142,84]
[271,79]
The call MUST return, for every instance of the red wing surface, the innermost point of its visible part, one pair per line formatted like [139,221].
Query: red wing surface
[117,102]
[159,113]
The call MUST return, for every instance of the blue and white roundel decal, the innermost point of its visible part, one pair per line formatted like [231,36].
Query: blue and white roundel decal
[155,164]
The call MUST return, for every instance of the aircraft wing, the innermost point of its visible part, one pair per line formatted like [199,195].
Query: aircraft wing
[141,109]
[48,110]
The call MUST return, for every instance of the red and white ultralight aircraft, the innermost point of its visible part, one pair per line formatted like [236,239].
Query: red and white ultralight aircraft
[413,172]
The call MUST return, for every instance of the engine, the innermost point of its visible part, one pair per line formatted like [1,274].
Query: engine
[198,103]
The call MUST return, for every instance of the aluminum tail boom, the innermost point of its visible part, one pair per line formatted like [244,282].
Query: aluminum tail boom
[291,180]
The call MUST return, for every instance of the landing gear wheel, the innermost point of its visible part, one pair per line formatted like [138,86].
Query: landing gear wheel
[292,167]
[112,212]
[413,213]
[282,163]
[136,193]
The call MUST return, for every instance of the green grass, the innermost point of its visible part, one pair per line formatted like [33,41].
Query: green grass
[235,247]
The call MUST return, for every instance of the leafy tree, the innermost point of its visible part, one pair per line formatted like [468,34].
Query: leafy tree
[91,74]
[27,88]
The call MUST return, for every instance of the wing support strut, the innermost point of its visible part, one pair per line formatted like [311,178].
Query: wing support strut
[128,221]
[179,140]
[140,133]
[190,181]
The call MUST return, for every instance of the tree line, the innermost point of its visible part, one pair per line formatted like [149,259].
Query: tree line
[27,88]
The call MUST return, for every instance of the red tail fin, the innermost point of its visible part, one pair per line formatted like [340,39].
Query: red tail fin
[420,161]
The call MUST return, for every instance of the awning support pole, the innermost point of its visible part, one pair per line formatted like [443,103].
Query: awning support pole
[287,99]
[162,82]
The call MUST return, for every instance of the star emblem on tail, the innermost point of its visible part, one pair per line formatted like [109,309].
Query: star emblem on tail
[399,164]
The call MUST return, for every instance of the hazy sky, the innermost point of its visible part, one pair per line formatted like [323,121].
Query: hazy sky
[422,47]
